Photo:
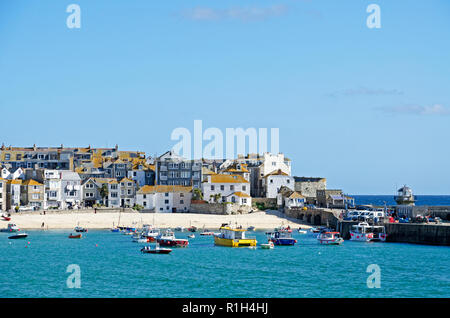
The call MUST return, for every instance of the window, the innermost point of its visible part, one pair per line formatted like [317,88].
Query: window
[166,194]
[287,180]
[244,188]
[181,202]
[244,200]
[129,192]
[166,201]
[232,187]
[161,209]
[145,196]
[129,184]
[181,195]
[271,180]
[233,199]
[212,188]
[35,196]
[222,187]
[114,194]
[145,203]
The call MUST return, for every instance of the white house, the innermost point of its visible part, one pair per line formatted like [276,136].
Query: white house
[12,175]
[273,181]
[219,187]
[165,198]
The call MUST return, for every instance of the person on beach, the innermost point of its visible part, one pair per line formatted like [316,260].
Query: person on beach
[42,224]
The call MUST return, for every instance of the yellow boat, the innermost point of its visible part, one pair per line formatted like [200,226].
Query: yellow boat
[233,237]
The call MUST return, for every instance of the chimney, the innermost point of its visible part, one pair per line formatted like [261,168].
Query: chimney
[34,147]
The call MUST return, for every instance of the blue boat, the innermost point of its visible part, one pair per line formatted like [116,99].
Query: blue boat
[282,238]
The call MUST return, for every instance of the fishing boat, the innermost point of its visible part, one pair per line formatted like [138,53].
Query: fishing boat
[115,229]
[18,236]
[152,234]
[330,238]
[80,229]
[11,228]
[233,237]
[76,236]
[282,238]
[138,238]
[368,233]
[192,229]
[269,245]
[168,239]
[251,228]
[156,250]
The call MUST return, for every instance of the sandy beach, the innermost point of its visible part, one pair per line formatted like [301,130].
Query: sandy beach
[106,220]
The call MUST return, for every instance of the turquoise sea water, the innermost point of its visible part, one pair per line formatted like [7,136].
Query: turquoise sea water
[113,266]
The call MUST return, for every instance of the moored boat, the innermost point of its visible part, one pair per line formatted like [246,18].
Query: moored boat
[168,239]
[152,234]
[5,217]
[76,236]
[330,238]
[156,250]
[282,238]
[192,229]
[11,228]
[206,233]
[233,237]
[191,236]
[269,245]
[368,233]
[251,228]
[80,229]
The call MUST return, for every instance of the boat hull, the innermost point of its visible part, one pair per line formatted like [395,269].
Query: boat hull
[75,236]
[234,242]
[367,237]
[173,243]
[331,242]
[19,236]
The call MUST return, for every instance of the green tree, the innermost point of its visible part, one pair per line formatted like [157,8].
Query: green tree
[197,194]
[104,192]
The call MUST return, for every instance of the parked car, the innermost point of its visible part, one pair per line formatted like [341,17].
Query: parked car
[26,208]
[434,219]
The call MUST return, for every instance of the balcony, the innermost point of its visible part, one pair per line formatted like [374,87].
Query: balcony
[163,178]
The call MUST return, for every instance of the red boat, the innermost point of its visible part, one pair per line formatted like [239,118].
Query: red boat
[76,236]
[5,218]
[169,239]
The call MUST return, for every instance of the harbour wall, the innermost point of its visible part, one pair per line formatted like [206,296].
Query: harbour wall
[433,234]
[219,208]
[315,216]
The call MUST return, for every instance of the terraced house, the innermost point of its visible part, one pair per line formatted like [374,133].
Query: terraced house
[93,193]
[2,194]
[165,198]
[127,193]
[13,188]
[172,169]
[32,194]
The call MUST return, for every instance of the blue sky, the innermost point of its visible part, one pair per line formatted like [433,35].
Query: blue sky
[369,109]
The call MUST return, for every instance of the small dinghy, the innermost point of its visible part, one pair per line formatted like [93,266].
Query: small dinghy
[156,250]
[302,231]
[18,236]
[267,246]
[191,236]
[76,236]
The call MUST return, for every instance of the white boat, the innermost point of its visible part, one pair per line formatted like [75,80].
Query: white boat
[302,231]
[366,233]
[152,234]
[269,245]
[251,228]
[179,229]
[330,238]
[191,236]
